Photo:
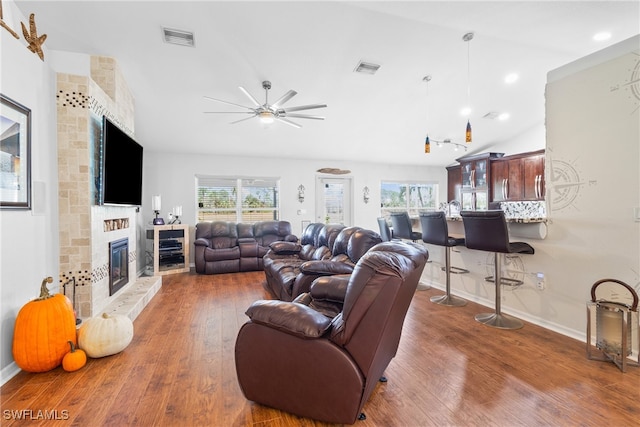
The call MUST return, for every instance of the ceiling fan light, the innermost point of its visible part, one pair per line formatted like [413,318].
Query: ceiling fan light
[266,117]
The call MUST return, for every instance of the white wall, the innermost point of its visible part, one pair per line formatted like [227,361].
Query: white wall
[173,177]
[29,240]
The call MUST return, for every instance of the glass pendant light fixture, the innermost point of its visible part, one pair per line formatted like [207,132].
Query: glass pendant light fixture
[427,142]
[467,38]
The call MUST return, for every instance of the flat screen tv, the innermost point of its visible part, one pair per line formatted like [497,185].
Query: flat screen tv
[121,167]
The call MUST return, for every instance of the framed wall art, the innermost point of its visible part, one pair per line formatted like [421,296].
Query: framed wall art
[15,155]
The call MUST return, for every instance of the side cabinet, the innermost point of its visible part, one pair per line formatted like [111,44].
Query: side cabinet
[534,186]
[167,249]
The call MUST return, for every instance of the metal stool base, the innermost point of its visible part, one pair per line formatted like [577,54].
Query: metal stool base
[448,300]
[500,321]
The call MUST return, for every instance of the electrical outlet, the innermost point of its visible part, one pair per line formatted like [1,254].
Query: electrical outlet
[540,281]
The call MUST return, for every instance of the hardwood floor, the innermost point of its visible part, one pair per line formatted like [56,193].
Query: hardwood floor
[449,371]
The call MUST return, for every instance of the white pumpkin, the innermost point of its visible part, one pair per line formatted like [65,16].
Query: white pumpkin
[106,335]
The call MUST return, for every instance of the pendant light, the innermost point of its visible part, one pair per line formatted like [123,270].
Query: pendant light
[467,38]
[427,142]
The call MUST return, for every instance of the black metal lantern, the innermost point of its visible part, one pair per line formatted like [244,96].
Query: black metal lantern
[615,315]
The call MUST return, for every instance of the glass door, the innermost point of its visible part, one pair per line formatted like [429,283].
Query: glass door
[333,201]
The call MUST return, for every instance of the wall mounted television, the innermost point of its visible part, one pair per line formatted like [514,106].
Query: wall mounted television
[121,167]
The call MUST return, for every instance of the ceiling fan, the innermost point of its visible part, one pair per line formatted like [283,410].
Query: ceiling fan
[268,113]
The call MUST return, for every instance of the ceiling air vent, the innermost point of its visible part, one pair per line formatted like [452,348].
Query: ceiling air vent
[179,37]
[492,115]
[366,68]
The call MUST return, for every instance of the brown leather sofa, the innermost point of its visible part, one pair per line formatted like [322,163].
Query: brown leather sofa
[227,247]
[290,270]
[292,357]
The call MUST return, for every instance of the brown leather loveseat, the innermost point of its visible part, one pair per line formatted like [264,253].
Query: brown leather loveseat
[291,357]
[323,251]
[227,247]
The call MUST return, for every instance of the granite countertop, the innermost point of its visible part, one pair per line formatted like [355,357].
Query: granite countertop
[523,220]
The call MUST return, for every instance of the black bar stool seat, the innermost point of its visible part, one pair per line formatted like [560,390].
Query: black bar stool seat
[402,229]
[436,232]
[385,231]
[487,231]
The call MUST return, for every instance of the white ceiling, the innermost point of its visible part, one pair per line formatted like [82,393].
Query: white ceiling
[313,48]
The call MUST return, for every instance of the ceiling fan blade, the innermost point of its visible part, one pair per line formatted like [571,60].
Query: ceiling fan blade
[255,101]
[284,98]
[230,112]
[304,107]
[229,103]
[305,116]
[289,122]
[242,120]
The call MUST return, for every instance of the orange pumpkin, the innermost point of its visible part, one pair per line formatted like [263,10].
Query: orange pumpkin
[42,331]
[74,360]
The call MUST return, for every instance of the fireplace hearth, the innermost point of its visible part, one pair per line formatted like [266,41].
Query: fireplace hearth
[118,265]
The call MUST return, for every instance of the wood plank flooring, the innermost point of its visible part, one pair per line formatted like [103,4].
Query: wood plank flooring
[449,371]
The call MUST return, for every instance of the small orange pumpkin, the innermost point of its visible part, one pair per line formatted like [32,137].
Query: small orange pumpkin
[75,359]
[42,331]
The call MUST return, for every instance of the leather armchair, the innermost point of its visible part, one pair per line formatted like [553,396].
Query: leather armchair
[293,357]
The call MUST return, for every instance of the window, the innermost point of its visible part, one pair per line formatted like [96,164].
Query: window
[410,197]
[237,199]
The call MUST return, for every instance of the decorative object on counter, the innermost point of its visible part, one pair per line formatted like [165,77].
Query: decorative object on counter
[365,194]
[467,39]
[174,217]
[43,330]
[105,335]
[156,205]
[615,314]
[436,232]
[487,231]
[301,193]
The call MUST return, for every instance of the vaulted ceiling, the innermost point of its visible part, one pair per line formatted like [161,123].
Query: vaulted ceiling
[313,48]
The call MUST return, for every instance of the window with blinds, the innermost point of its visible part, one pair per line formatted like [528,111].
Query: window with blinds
[410,197]
[237,199]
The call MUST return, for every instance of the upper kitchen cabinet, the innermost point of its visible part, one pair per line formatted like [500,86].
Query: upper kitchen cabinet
[518,177]
[454,183]
[475,174]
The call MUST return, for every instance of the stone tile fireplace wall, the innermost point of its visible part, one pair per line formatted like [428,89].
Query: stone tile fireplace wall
[86,228]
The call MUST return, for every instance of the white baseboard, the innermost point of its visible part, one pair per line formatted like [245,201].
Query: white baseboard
[8,372]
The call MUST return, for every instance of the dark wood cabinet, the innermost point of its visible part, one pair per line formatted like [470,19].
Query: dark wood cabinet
[518,177]
[475,171]
[454,183]
[533,185]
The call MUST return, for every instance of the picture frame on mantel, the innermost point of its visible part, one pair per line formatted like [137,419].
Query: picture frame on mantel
[15,155]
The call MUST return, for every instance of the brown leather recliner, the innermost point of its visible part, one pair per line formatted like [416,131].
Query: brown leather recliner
[291,357]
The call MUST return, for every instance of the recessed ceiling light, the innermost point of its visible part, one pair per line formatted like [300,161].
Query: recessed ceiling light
[465,111]
[602,36]
[503,116]
[511,78]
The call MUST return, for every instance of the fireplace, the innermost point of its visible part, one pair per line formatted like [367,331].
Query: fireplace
[118,265]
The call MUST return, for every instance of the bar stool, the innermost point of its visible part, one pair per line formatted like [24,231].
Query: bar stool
[436,232]
[402,229]
[487,231]
[385,231]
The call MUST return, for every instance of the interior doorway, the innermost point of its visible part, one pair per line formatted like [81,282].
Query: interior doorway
[333,201]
